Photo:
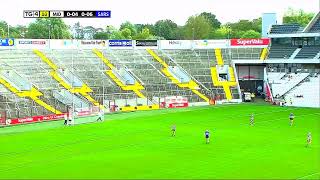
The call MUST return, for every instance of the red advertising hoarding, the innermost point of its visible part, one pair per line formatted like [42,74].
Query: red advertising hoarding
[178,105]
[250,42]
[32,119]
[175,102]
[49,117]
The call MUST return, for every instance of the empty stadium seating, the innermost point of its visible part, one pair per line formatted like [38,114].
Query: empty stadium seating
[198,63]
[305,94]
[315,27]
[281,83]
[308,52]
[245,53]
[274,77]
[81,77]
[281,52]
[285,29]
[25,63]
[88,69]
[91,70]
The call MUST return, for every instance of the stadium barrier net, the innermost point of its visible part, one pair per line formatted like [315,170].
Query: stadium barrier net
[85,115]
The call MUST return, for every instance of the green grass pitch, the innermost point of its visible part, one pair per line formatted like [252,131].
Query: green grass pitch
[139,145]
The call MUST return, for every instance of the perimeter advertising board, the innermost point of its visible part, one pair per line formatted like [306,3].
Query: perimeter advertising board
[144,44]
[175,44]
[210,44]
[63,44]
[250,42]
[35,119]
[91,44]
[32,43]
[120,44]
[7,42]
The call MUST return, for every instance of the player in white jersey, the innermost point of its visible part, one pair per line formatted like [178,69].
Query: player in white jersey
[100,115]
[309,139]
[252,120]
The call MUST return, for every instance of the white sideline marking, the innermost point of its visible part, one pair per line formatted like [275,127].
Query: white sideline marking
[308,175]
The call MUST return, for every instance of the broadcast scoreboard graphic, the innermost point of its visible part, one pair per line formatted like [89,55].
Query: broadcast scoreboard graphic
[65,14]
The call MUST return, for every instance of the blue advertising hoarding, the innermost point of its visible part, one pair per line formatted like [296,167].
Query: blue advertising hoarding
[7,42]
[120,43]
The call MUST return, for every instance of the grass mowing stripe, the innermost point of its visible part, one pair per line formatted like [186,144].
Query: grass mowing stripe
[140,146]
[75,142]
[308,175]
[233,117]
[99,138]
[65,155]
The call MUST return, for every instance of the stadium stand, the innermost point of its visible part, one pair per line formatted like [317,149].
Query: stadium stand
[48,80]
[197,63]
[174,58]
[296,82]
[281,52]
[245,53]
[308,52]
[285,29]
[315,27]
[203,60]
[306,93]
[285,83]
[68,98]
[25,65]
[124,78]
[127,77]
[274,77]
[80,76]
[300,88]
[82,66]
[143,66]
[92,71]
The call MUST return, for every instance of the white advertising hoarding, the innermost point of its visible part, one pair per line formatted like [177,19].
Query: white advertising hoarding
[175,44]
[91,44]
[210,44]
[63,44]
[32,43]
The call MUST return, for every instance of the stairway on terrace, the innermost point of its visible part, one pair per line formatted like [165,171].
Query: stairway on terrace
[197,63]
[91,70]
[305,94]
[285,83]
[26,64]
[147,71]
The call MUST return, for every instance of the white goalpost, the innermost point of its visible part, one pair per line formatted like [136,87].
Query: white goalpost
[89,114]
